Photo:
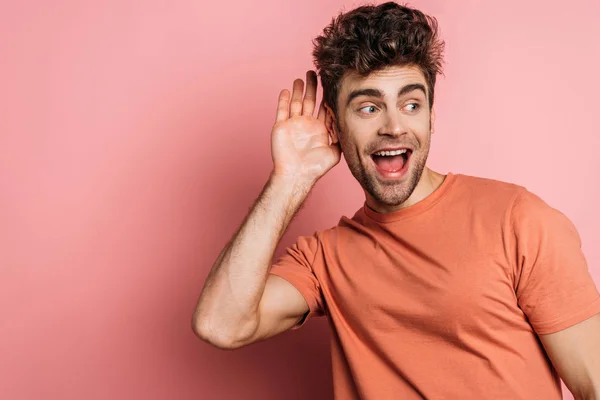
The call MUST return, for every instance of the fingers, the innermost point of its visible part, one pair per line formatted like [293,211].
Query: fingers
[321,114]
[296,103]
[300,103]
[283,106]
[310,97]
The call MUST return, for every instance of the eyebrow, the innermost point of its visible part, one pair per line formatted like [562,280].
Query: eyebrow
[378,93]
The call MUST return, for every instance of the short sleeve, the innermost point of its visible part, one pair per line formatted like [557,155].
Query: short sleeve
[297,267]
[553,285]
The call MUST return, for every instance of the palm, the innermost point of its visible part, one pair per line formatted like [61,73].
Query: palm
[300,142]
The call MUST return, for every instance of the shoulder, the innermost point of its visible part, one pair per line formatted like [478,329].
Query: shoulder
[486,188]
[346,229]
[529,213]
[482,198]
[522,207]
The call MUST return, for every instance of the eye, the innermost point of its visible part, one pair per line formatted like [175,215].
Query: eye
[415,106]
[368,109]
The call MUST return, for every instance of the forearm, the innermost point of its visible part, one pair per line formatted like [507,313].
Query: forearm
[229,302]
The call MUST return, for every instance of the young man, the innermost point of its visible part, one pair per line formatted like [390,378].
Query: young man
[441,286]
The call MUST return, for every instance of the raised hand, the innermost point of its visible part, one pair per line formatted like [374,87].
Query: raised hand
[300,143]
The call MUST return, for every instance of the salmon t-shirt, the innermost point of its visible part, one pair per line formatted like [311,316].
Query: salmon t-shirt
[444,299]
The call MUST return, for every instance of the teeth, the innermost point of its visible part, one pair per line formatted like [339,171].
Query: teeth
[390,153]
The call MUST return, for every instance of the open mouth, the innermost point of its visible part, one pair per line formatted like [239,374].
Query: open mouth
[391,160]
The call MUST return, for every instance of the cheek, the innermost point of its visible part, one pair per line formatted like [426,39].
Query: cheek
[352,144]
[421,130]
[360,133]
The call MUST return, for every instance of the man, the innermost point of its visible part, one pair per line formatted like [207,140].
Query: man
[441,286]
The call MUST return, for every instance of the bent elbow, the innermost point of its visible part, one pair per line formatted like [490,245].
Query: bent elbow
[205,333]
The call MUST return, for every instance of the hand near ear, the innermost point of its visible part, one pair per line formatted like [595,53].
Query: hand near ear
[300,143]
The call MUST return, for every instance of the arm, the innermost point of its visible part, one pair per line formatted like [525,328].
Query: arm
[575,353]
[557,293]
[240,303]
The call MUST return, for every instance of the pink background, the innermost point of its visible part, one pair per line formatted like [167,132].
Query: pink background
[135,135]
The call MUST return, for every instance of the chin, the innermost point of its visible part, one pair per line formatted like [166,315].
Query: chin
[392,196]
[392,193]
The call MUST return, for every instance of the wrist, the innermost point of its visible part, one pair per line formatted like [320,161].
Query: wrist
[293,188]
[290,181]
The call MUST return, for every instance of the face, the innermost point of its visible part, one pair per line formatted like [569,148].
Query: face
[384,128]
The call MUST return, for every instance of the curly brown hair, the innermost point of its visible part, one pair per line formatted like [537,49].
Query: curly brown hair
[370,38]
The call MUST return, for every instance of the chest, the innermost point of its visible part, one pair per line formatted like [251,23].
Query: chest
[428,289]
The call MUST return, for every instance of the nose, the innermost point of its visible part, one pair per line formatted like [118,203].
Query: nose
[392,124]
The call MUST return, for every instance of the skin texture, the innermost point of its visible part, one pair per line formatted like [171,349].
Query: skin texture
[371,122]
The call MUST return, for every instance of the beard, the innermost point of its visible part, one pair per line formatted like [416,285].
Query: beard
[390,193]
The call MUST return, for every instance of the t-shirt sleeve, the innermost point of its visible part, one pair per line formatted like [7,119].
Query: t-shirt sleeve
[297,267]
[553,285]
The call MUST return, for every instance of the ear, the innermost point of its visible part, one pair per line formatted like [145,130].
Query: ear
[331,125]
[432,118]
